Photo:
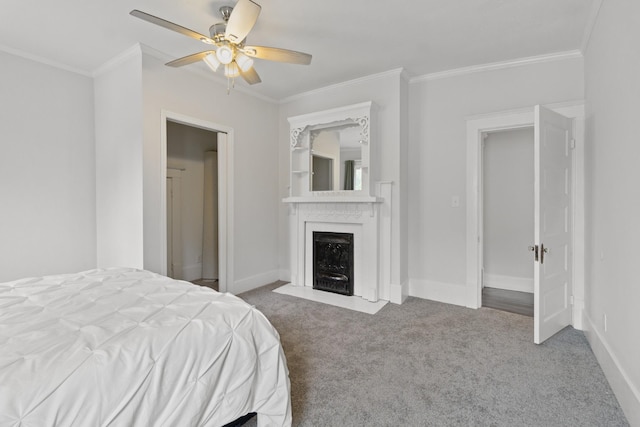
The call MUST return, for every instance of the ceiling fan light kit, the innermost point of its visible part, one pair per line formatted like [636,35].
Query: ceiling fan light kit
[212,61]
[225,54]
[244,62]
[231,70]
[229,37]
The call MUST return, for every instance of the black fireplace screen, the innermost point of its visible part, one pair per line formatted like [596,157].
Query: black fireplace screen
[333,262]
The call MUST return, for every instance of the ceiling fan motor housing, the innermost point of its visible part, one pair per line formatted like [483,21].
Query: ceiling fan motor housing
[225,11]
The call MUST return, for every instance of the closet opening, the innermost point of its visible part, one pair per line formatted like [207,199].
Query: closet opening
[508,220]
[192,204]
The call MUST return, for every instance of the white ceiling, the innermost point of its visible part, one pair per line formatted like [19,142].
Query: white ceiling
[348,39]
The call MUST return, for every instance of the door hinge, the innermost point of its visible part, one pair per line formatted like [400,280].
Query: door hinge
[572,143]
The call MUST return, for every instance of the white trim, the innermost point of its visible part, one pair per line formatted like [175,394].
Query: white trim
[349,302]
[253,282]
[449,293]
[475,128]
[398,293]
[42,60]
[511,283]
[512,120]
[626,392]
[112,63]
[395,72]
[225,195]
[572,54]
[192,272]
[591,23]
[284,275]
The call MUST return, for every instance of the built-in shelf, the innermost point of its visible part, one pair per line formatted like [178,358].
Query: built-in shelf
[299,148]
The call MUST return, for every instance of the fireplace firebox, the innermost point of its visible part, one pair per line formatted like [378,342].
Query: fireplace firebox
[333,262]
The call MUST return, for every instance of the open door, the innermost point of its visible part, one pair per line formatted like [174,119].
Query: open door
[553,223]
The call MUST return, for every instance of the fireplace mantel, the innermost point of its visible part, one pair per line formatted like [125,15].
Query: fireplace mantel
[363,211]
[333,199]
[368,218]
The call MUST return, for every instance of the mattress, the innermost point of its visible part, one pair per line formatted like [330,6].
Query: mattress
[127,347]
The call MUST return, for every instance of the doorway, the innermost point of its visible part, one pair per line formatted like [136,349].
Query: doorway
[224,199]
[192,202]
[321,173]
[508,219]
[559,207]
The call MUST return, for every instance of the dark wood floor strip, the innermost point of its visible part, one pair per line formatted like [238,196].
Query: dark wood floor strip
[511,301]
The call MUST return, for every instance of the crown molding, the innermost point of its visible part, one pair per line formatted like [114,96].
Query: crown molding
[112,63]
[572,54]
[43,60]
[399,72]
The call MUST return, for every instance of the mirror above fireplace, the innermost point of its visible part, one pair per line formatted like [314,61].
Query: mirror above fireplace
[331,153]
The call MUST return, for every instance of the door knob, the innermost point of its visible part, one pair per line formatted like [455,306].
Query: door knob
[543,251]
[534,249]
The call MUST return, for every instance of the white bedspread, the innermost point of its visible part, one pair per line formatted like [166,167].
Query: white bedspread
[125,347]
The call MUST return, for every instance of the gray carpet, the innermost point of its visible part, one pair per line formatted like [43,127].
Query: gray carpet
[425,363]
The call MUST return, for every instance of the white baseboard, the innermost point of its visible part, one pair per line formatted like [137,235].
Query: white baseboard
[192,272]
[577,320]
[398,293]
[284,275]
[449,293]
[254,282]
[511,283]
[627,394]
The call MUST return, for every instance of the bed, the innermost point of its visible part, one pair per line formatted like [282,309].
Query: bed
[127,347]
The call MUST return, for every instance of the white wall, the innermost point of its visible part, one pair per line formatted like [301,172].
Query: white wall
[118,113]
[612,67]
[387,93]
[47,170]
[255,193]
[186,146]
[437,152]
[508,209]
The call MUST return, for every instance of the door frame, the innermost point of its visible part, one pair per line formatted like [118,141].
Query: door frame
[476,127]
[225,194]
[175,175]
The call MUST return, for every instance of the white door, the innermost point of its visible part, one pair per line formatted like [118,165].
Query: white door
[553,223]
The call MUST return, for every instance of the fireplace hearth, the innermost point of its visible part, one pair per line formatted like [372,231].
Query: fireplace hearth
[333,262]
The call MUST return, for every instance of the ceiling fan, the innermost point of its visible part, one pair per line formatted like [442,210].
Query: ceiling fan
[229,38]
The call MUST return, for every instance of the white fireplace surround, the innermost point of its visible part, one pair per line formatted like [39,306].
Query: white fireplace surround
[369,221]
[364,212]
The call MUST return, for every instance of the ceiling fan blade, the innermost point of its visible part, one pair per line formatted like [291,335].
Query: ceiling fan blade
[277,54]
[250,76]
[243,18]
[189,59]
[171,26]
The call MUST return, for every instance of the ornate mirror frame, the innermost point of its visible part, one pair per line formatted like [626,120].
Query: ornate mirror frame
[303,130]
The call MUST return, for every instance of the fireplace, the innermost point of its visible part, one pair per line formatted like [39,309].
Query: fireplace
[333,262]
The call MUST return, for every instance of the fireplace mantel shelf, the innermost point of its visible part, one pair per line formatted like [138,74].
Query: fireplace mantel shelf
[333,199]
